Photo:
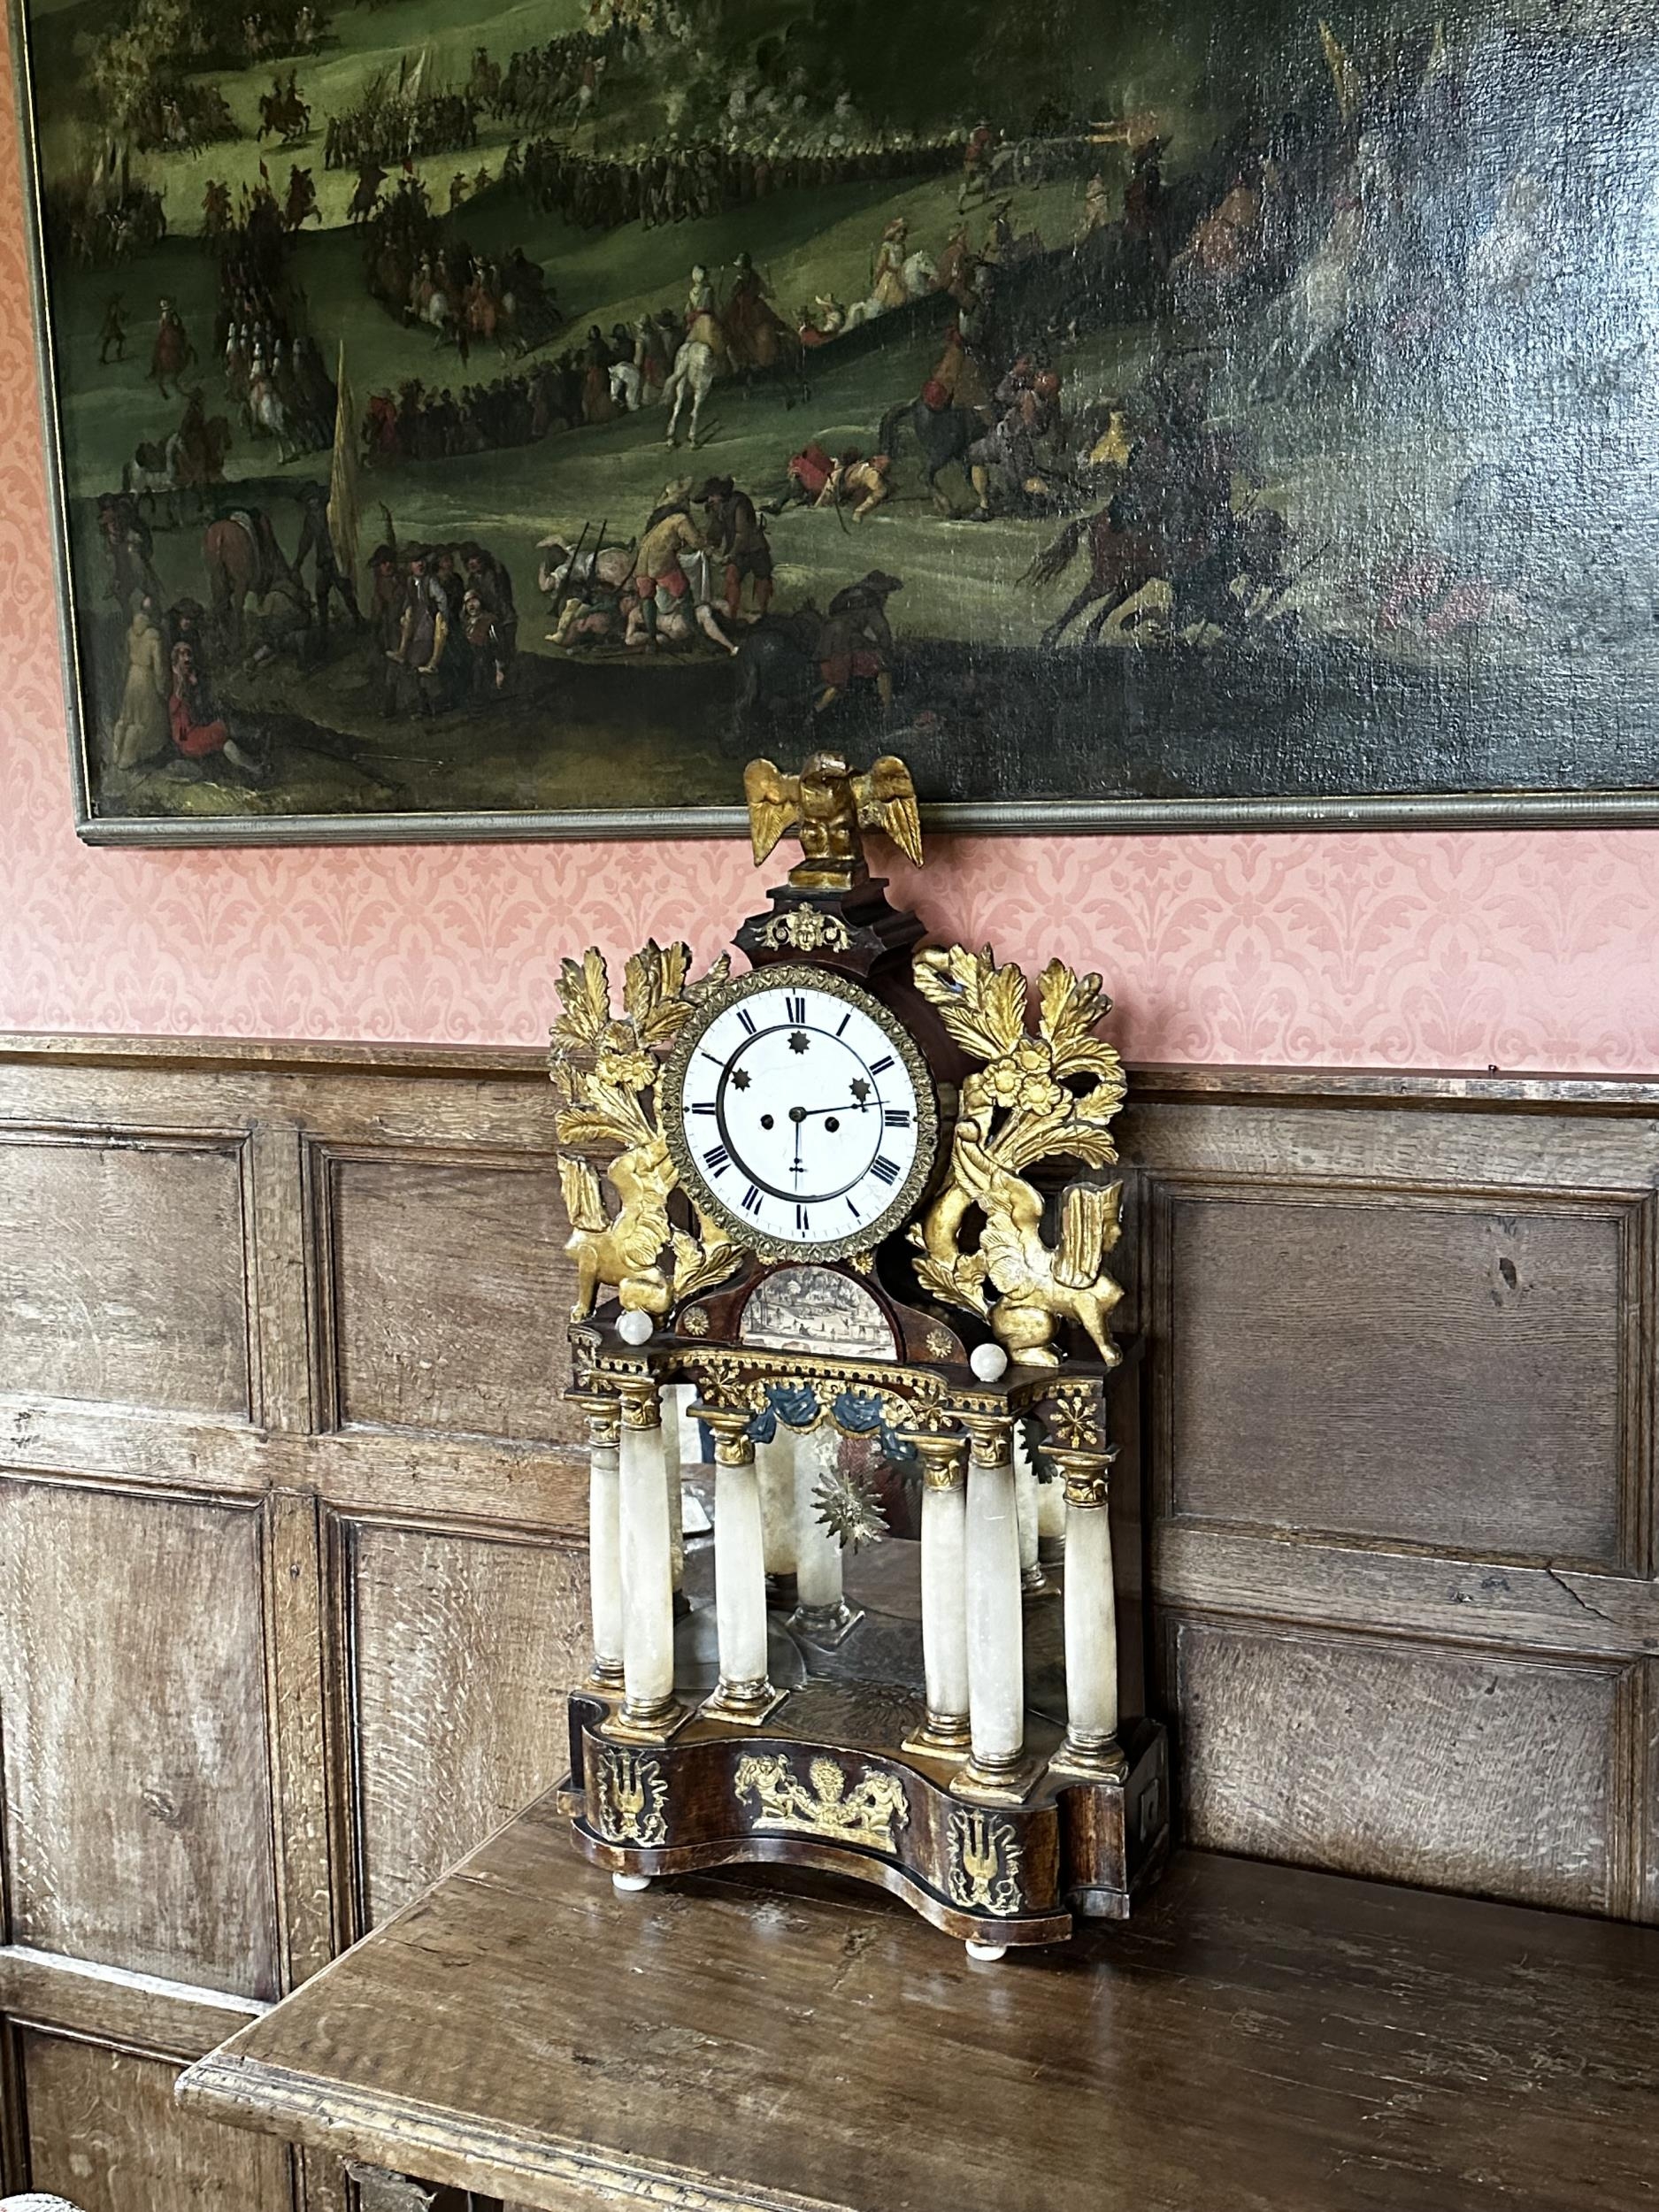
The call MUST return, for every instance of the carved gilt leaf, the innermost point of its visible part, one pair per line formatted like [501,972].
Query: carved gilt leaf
[585,988]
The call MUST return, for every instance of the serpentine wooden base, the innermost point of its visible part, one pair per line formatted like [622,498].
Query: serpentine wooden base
[990,1874]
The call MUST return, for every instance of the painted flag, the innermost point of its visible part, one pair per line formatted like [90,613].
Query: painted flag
[1344,75]
[343,478]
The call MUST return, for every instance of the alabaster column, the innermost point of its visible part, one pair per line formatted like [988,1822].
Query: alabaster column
[649,1706]
[680,1396]
[944,1596]
[996,1655]
[774,1464]
[1034,1581]
[604,1538]
[821,1611]
[743,1694]
[1091,1746]
[1051,1521]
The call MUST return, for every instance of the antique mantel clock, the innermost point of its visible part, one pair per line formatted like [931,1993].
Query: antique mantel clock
[862,1210]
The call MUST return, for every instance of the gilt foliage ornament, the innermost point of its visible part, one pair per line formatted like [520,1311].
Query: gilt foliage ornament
[607,1070]
[1046,1097]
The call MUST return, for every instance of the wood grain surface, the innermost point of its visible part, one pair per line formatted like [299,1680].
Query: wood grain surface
[1441,1372]
[464,1652]
[104,2132]
[1259,2039]
[450,1289]
[121,1270]
[1485,1770]
[137,1807]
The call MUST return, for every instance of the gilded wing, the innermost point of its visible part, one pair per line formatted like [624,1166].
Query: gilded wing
[775,804]
[584,1202]
[1088,1229]
[886,799]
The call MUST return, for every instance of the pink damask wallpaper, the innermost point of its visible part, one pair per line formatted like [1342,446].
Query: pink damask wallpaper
[1465,949]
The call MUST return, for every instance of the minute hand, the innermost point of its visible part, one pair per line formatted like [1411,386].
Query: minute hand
[855,1106]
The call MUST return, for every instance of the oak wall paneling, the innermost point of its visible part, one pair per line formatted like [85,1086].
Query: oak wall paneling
[103,2132]
[292,1519]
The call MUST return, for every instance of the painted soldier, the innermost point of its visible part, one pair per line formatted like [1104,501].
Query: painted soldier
[112,333]
[739,536]
[856,643]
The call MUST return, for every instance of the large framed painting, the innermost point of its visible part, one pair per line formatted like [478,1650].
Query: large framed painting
[502,420]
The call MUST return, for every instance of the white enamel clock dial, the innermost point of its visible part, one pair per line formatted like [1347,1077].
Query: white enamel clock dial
[800,1113]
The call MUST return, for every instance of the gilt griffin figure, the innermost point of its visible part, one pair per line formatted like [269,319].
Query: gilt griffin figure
[1050,1095]
[606,1069]
[826,804]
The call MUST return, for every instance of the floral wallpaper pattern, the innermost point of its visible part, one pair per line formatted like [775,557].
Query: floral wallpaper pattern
[1458,950]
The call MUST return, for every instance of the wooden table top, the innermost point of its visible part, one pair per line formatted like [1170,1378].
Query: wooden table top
[1258,2037]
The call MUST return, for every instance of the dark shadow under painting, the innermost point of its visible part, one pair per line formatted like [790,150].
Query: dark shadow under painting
[1127,414]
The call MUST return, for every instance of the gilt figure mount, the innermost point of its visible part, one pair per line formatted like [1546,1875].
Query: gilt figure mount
[857,1202]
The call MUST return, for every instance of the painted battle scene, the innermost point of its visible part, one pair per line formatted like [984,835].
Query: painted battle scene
[541,405]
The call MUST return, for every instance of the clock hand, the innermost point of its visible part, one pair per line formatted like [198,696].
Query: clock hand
[801,1113]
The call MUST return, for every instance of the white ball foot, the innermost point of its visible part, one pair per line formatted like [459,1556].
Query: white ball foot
[987,1953]
[630,1884]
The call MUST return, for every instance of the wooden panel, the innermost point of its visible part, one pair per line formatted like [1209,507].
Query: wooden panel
[1294,1578]
[107,2005]
[1451,1375]
[1452,1770]
[463,1651]
[450,1292]
[104,2130]
[137,1809]
[122,1273]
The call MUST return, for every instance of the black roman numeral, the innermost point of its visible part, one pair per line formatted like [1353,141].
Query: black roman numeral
[854,1211]
[845,1019]
[803,1220]
[701,1106]
[717,1159]
[881,1066]
[885,1169]
[751,1200]
[746,1018]
[897,1116]
[795,1008]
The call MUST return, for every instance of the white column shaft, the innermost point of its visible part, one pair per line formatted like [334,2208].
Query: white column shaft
[740,1575]
[1091,1624]
[647,1586]
[945,1600]
[1026,1489]
[672,1453]
[1051,1512]
[604,1554]
[997,1658]
[775,1464]
[817,1552]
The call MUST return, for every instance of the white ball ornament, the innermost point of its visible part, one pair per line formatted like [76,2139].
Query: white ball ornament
[635,1328]
[989,1362]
